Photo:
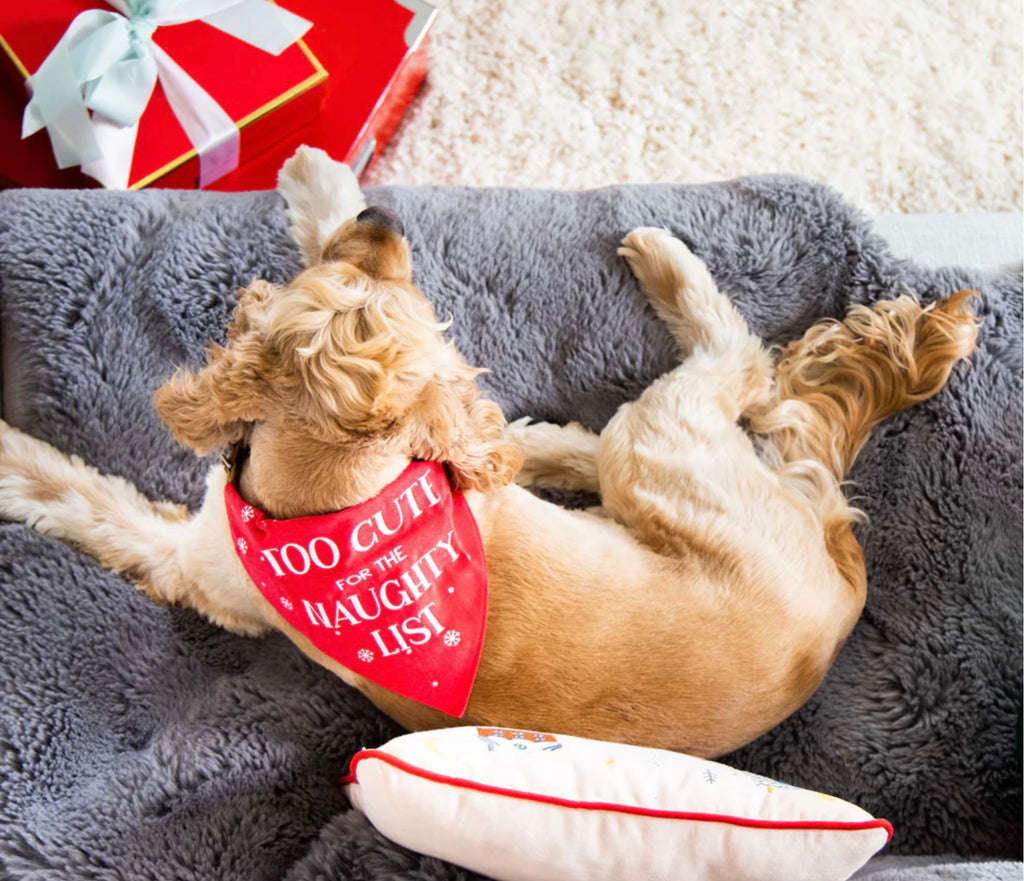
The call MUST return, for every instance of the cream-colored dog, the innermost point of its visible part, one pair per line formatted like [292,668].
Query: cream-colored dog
[699,607]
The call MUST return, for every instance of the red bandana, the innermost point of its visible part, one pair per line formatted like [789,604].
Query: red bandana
[394,588]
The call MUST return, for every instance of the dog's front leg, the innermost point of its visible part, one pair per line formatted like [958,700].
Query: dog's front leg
[321,194]
[168,554]
[557,456]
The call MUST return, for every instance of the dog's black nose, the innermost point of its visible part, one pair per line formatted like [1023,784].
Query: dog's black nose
[379,216]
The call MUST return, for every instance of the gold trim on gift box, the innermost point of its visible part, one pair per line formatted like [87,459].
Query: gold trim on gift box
[10,54]
[283,98]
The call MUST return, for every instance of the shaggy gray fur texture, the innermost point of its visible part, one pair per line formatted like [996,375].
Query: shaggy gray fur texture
[139,742]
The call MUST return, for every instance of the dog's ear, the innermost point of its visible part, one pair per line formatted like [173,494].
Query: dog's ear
[211,409]
[453,425]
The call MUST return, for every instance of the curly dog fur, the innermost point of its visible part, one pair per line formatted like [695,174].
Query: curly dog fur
[701,604]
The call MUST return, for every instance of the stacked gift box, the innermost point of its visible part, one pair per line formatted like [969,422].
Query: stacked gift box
[338,75]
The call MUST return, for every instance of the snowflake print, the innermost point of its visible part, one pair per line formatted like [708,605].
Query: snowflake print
[769,784]
[452,638]
[242,545]
[287,603]
[247,513]
[365,655]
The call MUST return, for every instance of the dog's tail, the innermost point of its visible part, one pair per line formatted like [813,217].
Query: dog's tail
[834,385]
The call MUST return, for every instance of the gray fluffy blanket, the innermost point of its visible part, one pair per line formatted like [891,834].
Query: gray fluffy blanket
[139,742]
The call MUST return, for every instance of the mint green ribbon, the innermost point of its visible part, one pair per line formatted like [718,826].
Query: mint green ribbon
[93,87]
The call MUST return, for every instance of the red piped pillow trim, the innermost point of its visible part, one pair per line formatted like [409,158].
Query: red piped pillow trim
[434,777]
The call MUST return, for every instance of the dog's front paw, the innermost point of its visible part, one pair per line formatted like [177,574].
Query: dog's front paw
[311,173]
[321,194]
[562,456]
[526,436]
[515,432]
[25,482]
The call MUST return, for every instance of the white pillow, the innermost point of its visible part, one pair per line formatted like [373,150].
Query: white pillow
[537,807]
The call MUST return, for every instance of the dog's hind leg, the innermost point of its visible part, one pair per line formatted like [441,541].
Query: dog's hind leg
[674,465]
[707,327]
[321,194]
[680,472]
[710,333]
[155,544]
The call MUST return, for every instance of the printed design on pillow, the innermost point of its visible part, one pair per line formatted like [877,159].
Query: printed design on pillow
[394,588]
[521,741]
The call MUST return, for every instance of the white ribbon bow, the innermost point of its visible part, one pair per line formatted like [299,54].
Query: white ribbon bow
[107,63]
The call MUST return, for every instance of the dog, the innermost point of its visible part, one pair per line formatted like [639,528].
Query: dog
[700,605]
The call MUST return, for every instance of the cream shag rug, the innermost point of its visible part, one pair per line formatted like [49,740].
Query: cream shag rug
[901,105]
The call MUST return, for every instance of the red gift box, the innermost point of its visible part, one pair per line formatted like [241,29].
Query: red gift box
[263,94]
[376,52]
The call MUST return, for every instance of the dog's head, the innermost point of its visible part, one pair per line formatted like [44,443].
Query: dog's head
[349,352]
